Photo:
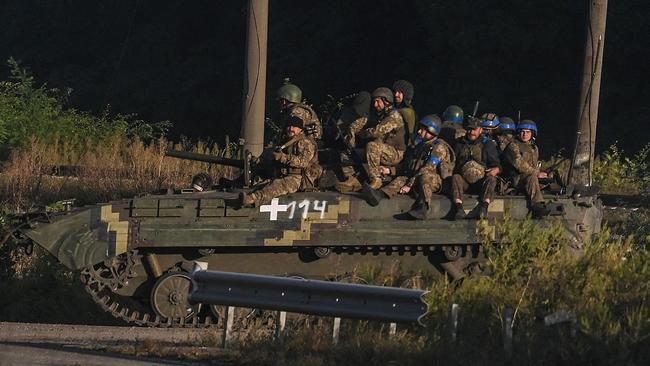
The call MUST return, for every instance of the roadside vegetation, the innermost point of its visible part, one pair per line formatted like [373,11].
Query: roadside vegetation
[605,292]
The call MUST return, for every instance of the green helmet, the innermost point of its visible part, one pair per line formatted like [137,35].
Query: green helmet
[383,93]
[454,114]
[290,92]
[472,122]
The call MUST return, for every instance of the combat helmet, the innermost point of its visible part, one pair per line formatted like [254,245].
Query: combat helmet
[383,93]
[489,121]
[454,114]
[506,125]
[471,123]
[528,124]
[290,92]
[431,123]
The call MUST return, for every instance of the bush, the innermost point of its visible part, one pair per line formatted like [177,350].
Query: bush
[616,173]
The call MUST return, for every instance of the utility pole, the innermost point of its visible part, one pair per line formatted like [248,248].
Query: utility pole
[583,154]
[252,128]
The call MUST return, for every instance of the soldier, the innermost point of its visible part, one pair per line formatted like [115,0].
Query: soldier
[489,123]
[296,162]
[477,166]
[504,133]
[421,172]
[290,99]
[520,167]
[403,92]
[452,124]
[388,140]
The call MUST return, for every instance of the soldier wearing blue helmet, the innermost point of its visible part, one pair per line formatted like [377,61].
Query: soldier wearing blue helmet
[504,133]
[520,167]
[426,164]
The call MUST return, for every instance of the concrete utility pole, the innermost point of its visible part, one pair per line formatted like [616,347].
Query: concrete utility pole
[583,158]
[252,128]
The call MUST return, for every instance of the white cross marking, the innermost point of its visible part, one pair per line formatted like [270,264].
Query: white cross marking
[274,208]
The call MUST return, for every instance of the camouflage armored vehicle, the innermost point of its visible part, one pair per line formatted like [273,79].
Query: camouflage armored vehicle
[134,255]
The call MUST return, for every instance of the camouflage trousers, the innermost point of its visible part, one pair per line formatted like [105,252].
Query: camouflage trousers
[424,187]
[348,167]
[278,187]
[528,184]
[381,154]
[484,187]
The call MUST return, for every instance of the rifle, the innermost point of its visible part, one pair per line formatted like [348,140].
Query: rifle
[352,152]
[246,164]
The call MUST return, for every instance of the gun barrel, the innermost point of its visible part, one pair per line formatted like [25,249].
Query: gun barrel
[205,158]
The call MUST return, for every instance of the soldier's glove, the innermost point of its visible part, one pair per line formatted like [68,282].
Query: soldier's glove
[349,140]
[278,156]
[310,129]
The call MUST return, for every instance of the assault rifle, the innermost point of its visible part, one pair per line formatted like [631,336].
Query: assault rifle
[247,164]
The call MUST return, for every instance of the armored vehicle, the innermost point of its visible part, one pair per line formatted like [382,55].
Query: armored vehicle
[134,255]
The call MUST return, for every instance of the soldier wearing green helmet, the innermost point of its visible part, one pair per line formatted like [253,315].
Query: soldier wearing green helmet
[452,124]
[290,99]
[387,141]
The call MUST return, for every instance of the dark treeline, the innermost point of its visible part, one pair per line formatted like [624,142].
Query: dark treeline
[183,60]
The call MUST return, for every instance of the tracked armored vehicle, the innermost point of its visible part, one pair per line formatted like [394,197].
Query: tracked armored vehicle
[134,255]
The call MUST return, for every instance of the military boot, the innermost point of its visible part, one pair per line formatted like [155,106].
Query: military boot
[246,200]
[373,196]
[482,210]
[457,212]
[539,210]
[351,184]
[419,210]
[375,182]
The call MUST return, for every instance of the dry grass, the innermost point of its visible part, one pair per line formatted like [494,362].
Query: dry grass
[116,169]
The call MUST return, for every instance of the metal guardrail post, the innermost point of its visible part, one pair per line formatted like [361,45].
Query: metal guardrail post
[227,327]
[392,329]
[335,331]
[280,325]
[453,321]
[507,319]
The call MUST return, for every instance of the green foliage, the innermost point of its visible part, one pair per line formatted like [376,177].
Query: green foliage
[28,111]
[616,173]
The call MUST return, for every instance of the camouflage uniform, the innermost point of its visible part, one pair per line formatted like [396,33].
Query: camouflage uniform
[520,168]
[503,140]
[388,145]
[347,163]
[451,132]
[307,114]
[472,159]
[424,167]
[410,119]
[297,168]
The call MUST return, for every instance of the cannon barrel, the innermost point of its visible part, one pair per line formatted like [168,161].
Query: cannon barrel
[205,158]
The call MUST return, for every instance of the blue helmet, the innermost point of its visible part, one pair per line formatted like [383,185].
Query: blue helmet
[489,120]
[506,125]
[431,123]
[454,114]
[527,125]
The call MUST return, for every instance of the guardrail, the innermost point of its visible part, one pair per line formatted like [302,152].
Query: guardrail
[313,297]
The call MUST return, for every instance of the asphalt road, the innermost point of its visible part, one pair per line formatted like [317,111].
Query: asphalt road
[56,355]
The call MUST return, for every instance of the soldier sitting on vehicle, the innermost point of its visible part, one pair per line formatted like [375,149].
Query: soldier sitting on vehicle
[290,99]
[520,167]
[490,122]
[452,124]
[387,146]
[296,166]
[477,166]
[422,171]
[504,133]
[403,93]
